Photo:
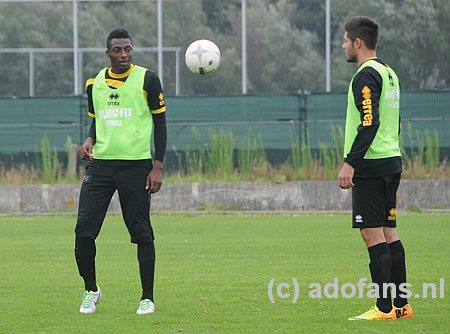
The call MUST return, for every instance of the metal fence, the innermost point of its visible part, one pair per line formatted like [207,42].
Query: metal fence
[191,120]
[79,54]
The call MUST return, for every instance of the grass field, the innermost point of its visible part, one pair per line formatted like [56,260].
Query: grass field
[212,275]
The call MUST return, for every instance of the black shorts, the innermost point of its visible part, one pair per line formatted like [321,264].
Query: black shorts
[99,184]
[375,201]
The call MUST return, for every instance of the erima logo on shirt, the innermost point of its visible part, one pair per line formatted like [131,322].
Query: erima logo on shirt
[391,80]
[358,219]
[161,99]
[392,214]
[367,106]
[114,100]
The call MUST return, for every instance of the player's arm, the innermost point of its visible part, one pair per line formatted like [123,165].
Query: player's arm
[155,99]
[86,148]
[160,136]
[367,86]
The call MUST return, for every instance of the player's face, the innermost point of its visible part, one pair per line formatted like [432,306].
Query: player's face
[120,53]
[349,48]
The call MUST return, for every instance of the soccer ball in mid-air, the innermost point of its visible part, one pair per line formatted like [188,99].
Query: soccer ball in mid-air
[202,57]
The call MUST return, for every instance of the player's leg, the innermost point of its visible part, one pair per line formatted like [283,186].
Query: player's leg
[398,263]
[146,259]
[368,215]
[95,194]
[135,204]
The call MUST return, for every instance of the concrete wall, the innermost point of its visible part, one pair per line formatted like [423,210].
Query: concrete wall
[287,196]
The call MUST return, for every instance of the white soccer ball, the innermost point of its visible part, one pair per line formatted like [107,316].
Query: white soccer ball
[202,57]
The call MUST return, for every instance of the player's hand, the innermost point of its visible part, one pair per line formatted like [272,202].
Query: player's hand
[86,149]
[154,178]
[345,176]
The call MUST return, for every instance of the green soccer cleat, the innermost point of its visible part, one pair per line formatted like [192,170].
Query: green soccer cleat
[90,300]
[146,306]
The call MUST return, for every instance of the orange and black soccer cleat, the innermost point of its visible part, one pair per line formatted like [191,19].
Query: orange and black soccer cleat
[404,312]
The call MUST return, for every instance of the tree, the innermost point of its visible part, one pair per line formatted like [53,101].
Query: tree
[286,42]
[34,25]
[405,43]
[281,58]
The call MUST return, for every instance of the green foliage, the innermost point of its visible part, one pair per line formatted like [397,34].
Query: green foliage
[337,136]
[302,156]
[50,163]
[421,156]
[328,159]
[216,159]
[250,152]
[38,25]
[221,153]
[281,57]
[403,23]
[406,132]
[433,149]
[331,155]
[197,162]
[71,174]
[286,42]
[218,14]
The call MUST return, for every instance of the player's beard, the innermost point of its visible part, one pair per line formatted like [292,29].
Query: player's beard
[350,54]
[351,58]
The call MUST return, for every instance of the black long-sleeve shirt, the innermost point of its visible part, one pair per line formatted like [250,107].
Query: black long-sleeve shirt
[369,78]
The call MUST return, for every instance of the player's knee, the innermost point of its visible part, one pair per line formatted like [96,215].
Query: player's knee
[390,234]
[372,236]
[146,252]
[84,245]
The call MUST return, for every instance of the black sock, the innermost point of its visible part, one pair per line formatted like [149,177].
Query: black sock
[380,270]
[398,271]
[85,255]
[146,258]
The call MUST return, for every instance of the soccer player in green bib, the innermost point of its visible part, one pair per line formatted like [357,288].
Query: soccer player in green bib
[373,166]
[126,104]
